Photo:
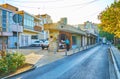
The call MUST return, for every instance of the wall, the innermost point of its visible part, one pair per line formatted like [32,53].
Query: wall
[25,38]
[53,40]
[0,18]
[78,40]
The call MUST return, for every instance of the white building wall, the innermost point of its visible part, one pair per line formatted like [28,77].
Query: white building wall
[25,40]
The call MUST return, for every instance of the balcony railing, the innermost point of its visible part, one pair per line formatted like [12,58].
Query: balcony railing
[6,34]
[16,28]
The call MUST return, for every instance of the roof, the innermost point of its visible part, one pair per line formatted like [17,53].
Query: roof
[22,11]
[66,28]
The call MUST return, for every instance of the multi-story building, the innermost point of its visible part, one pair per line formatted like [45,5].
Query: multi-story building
[92,30]
[4,32]
[90,27]
[8,25]
[29,34]
[44,19]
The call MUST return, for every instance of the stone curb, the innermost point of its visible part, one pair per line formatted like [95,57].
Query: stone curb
[82,50]
[115,64]
[9,76]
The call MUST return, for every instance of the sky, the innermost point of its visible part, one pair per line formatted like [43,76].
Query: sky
[76,11]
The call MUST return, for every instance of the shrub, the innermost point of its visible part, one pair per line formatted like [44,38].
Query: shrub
[3,66]
[118,46]
[11,62]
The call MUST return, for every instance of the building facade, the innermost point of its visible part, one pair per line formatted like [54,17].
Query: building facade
[92,30]
[44,19]
[5,26]
[9,25]
[29,35]
[59,32]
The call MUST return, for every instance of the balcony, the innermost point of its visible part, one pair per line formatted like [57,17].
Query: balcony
[38,28]
[16,28]
[6,34]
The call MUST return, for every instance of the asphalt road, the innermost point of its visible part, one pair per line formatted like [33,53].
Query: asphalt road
[89,64]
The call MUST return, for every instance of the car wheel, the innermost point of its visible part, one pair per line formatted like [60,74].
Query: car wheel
[47,47]
[42,48]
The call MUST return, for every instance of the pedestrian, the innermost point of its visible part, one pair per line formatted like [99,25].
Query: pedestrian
[67,42]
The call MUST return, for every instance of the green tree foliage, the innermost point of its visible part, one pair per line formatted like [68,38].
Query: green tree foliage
[108,36]
[110,19]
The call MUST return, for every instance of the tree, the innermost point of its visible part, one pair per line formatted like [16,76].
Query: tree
[109,37]
[110,19]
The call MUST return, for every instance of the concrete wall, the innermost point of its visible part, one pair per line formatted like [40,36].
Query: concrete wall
[53,40]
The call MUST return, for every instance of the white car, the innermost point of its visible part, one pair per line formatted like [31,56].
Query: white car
[45,44]
[37,43]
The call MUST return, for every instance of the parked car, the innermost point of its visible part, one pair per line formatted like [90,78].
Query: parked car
[45,44]
[37,43]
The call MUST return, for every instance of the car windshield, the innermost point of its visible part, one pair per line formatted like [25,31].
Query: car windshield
[36,41]
[46,41]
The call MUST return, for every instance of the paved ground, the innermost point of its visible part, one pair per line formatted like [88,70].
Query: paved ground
[88,64]
[41,57]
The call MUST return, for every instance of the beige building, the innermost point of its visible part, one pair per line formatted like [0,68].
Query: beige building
[44,19]
[60,31]
[91,30]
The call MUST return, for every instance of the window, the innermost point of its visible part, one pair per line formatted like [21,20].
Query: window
[15,34]
[4,29]
[4,20]
[28,21]
[74,40]
[34,37]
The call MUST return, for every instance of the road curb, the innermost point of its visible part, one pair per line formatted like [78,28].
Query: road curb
[9,76]
[80,50]
[115,64]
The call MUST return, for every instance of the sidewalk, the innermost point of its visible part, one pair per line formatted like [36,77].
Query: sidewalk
[116,60]
[40,57]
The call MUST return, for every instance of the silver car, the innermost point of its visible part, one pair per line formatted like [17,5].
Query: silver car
[45,44]
[37,43]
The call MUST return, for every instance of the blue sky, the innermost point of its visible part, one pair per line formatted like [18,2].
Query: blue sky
[77,11]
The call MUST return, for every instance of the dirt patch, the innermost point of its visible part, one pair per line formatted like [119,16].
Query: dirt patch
[33,58]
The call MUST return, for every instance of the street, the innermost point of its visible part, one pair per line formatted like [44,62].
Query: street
[88,64]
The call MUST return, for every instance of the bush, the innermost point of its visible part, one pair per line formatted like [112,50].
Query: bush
[3,66]
[118,46]
[11,62]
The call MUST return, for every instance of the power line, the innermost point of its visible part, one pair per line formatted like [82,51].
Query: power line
[78,5]
[87,4]
[92,14]
[67,6]
[36,1]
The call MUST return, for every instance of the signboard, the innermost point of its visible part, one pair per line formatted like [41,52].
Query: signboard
[17,18]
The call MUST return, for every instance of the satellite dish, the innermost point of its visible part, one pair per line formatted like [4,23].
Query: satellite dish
[17,18]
